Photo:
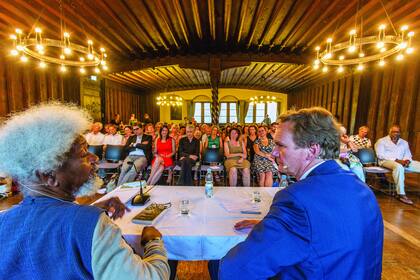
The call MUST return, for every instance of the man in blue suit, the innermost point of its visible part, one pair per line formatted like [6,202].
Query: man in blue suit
[326,226]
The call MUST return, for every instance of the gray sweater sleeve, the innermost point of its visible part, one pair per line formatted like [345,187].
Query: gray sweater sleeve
[113,258]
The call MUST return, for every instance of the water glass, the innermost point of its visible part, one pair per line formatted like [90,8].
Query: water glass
[184,207]
[256,196]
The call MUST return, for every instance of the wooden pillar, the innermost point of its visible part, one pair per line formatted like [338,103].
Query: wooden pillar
[215,72]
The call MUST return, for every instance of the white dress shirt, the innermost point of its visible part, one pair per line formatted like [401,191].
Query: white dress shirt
[113,139]
[387,150]
[95,139]
[137,152]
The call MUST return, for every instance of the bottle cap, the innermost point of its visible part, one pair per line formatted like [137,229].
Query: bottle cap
[283,177]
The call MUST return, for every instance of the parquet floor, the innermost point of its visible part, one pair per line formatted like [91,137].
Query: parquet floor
[401,259]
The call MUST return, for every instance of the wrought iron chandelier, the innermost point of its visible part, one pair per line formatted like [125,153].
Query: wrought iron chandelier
[169,100]
[262,99]
[352,52]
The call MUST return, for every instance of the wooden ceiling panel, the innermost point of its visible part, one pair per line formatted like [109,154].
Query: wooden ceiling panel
[137,31]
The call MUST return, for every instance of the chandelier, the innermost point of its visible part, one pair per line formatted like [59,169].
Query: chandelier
[352,52]
[262,99]
[66,53]
[169,100]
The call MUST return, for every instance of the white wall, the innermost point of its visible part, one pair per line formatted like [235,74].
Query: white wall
[225,94]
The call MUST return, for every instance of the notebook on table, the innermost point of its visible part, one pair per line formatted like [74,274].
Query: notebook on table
[151,214]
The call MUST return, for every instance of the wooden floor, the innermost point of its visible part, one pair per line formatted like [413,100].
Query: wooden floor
[401,259]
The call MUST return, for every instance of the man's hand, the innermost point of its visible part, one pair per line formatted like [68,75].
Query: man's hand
[114,206]
[145,142]
[148,234]
[193,157]
[403,162]
[246,224]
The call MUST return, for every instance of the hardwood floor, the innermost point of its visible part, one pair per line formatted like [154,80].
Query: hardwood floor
[401,258]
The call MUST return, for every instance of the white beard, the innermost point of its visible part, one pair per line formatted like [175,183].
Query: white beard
[90,187]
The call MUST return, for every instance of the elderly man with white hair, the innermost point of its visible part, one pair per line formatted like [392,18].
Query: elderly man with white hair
[48,236]
[95,136]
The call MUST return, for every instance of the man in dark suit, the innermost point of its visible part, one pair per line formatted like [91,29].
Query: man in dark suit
[139,155]
[325,226]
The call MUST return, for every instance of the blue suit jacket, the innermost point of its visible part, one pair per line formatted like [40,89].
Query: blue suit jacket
[327,226]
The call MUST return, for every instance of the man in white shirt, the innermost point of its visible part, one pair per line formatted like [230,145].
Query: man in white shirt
[360,140]
[95,137]
[394,153]
[113,138]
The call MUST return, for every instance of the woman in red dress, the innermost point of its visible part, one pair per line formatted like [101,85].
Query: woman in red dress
[164,150]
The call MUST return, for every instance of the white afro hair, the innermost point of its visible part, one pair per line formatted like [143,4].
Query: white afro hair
[39,138]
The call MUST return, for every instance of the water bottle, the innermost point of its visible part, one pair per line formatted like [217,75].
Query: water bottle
[209,184]
[283,182]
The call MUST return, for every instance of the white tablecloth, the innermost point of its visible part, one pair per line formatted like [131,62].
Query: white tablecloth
[207,232]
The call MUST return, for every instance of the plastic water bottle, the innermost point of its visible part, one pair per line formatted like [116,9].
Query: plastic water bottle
[283,182]
[209,184]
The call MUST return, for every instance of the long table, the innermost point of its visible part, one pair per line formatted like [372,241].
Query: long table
[206,233]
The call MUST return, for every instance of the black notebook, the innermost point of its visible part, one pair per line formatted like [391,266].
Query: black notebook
[151,213]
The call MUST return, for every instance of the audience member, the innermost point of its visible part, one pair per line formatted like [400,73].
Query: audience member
[149,129]
[272,131]
[347,148]
[360,140]
[139,150]
[95,137]
[182,130]
[267,120]
[164,151]
[328,225]
[264,163]
[158,126]
[133,120]
[214,142]
[47,235]
[188,155]
[113,138]
[394,153]
[235,152]
[128,131]
[250,140]
[116,120]
[147,119]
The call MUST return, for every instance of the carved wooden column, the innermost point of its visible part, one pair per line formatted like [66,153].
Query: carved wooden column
[215,72]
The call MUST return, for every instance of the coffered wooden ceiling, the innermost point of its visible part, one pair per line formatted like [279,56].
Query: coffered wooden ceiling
[163,44]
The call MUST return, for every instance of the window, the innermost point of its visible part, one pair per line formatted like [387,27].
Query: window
[228,112]
[202,113]
[256,112]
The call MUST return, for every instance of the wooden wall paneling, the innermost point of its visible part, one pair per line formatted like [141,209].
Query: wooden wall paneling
[397,91]
[347,98]
[335,97]
[4,106]
[354,102]
[341,96]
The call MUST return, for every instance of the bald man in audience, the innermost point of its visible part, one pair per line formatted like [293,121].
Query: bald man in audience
[394,153]
[360,140]
[95,137]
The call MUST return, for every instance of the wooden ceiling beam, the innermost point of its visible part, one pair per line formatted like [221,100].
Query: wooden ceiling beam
[202,61]
[196,17]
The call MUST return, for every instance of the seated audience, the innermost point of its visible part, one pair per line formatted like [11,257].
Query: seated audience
[128,131]
[164,151]
[188,155]
[149,129]
[328,225]
[175,134]
[264,163]
[347,148]
[235,152]
[113,138]
[95,137]
[394,153]
[47,235]
[139,155]
[360,140]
